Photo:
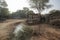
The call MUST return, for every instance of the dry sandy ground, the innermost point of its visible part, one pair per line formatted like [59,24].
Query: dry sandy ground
[7,27]
[46,31]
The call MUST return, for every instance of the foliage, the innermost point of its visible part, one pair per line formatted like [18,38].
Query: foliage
[26,34]
[21,13]
[54,18]
[39,4]
[4,13]
[3,3]
[55,12]
[26,9]
[31,12]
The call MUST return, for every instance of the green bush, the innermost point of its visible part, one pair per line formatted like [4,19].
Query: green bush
[26,34]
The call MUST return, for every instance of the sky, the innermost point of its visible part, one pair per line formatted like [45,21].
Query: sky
[15,5]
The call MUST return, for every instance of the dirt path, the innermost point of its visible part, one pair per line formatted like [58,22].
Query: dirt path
[7,27]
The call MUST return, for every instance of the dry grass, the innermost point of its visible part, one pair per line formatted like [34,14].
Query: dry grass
[47,33]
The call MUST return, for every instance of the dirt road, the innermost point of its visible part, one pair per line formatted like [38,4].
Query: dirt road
[7,27]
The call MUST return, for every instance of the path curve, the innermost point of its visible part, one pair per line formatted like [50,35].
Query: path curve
[7,27]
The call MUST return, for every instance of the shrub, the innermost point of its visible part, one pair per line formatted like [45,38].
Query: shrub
[25,34]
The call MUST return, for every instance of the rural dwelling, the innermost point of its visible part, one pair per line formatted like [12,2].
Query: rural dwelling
[33,18]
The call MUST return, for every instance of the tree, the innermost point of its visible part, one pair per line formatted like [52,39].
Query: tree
[54,18]
[22,13]
[3,10]
[40,5]
[30,12]
[55,13]
[3,3]
[26,9]
[19,14]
